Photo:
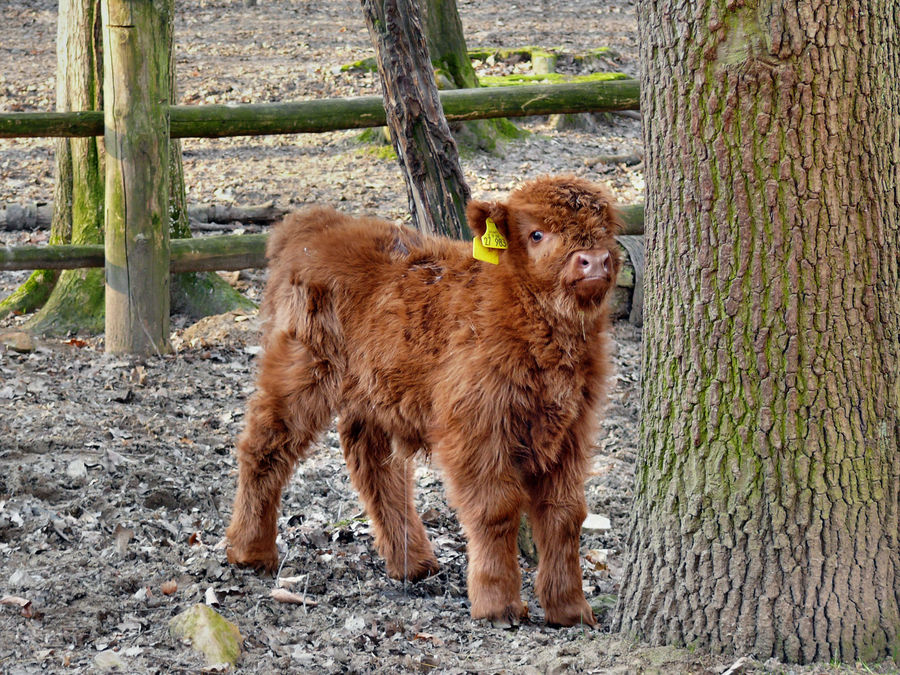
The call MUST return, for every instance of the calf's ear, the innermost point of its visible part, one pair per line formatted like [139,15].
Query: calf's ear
[478,212]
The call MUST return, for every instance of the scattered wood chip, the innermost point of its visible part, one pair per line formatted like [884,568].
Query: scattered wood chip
[283,595]
[210,596]
[738,665]
[123,535]
[18,341]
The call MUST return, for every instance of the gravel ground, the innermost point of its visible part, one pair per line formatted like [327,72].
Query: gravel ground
[117,474]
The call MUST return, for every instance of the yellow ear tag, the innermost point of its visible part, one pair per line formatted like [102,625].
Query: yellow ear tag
[492,237]
[485,247]
[488,255]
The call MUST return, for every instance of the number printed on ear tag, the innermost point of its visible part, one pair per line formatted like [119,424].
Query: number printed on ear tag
[492,237]
[488,255]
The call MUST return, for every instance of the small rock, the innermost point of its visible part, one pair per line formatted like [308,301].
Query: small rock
[76,470]
[108,660]
[209,633]
[20,579]
[354,625]
[18,341]
[596,523]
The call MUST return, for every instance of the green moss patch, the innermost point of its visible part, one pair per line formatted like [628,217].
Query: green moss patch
[549,78]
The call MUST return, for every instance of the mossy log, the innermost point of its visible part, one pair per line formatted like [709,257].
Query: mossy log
[214,121]
[29,216]
[225,252]
[222,252]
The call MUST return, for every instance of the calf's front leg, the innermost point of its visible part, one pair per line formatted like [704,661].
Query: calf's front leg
[489,502]
[557,509]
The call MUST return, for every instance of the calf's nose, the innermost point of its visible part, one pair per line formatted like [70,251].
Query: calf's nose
[593,264]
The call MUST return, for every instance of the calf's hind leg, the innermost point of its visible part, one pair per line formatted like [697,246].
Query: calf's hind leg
[291,407]
[385,485]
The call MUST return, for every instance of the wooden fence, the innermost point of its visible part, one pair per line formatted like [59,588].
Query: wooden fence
[125,132]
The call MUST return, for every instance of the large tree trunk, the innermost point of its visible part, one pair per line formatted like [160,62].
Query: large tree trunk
[766,498]
[425,149]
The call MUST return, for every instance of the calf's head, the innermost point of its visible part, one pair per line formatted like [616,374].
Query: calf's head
[560,232]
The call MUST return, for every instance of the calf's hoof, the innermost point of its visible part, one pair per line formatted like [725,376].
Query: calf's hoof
[260,559]
[506,617]
[413,570]
[573,614]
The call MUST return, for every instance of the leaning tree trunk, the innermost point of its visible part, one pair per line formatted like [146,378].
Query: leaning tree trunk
[425,149]
[766,497]
[446,42]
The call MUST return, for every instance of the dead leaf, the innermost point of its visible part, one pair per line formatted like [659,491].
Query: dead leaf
[433,639]
[598,557]
[25,607]
[169,587]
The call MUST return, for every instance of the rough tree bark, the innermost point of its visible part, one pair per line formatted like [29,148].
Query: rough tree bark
[72,300]
[425,148]
[766,497]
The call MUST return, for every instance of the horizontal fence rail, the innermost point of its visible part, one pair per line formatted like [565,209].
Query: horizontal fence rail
[195,254]
[258,119]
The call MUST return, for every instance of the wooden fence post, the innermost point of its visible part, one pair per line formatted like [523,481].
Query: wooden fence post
[136,120]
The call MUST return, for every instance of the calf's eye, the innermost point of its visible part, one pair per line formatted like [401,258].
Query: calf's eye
[536,236]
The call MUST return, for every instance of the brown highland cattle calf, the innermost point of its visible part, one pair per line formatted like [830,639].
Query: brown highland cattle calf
[495,369]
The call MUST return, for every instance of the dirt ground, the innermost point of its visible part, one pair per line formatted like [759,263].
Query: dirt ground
[117,474]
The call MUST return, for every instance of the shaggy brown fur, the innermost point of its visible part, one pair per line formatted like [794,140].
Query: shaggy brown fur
[494,369]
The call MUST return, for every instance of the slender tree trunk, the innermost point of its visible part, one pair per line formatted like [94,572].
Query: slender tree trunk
[766,497]
[427,153]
